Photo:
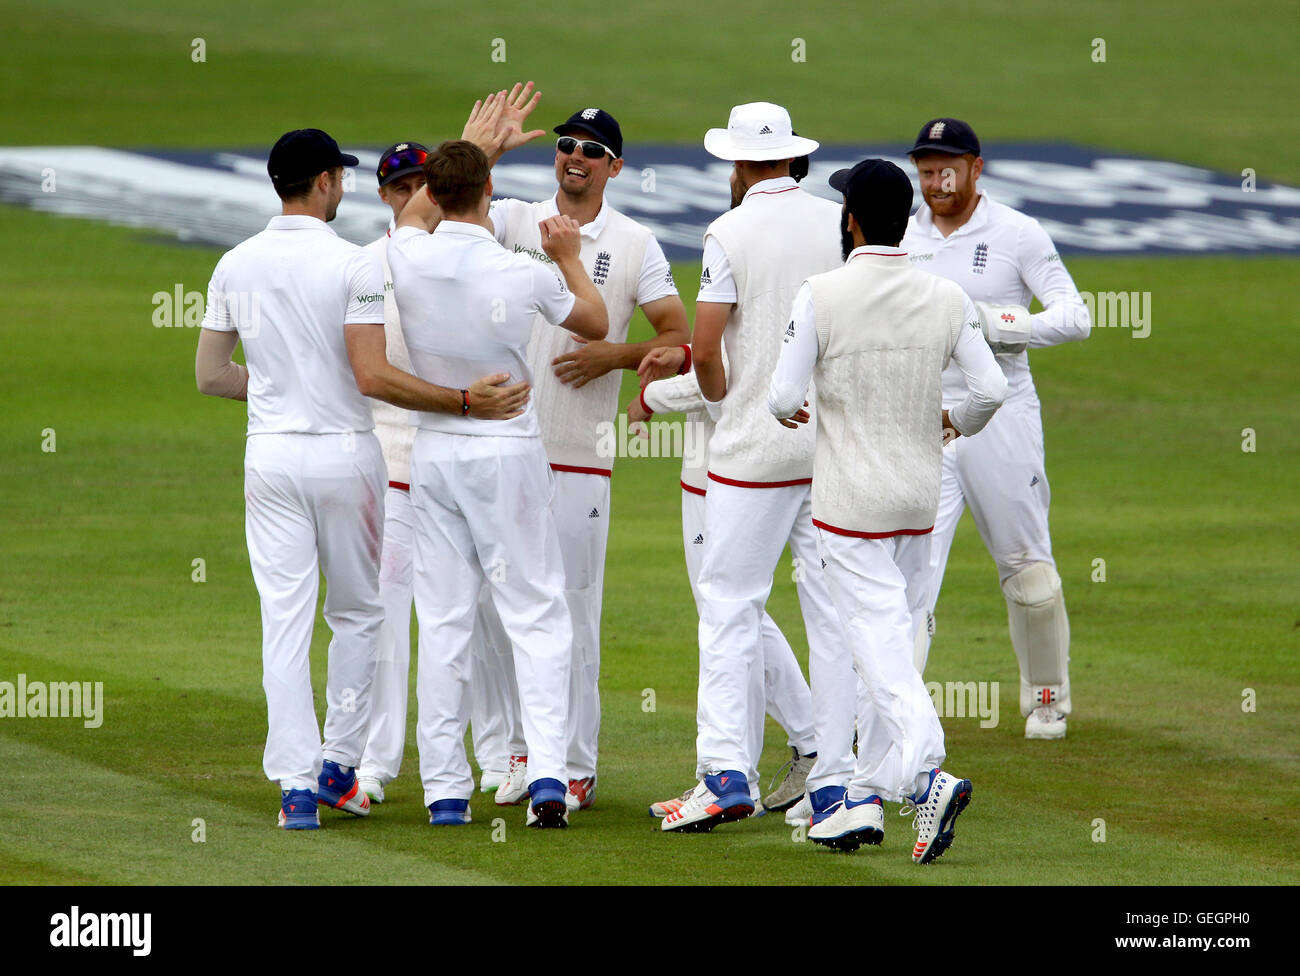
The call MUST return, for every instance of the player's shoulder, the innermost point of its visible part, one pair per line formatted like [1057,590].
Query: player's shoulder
[723,221]
[325,245]
[821,203]
[616,220]
[915,227]
[844,269]
[508,206]
[1029,236]
[1002,216]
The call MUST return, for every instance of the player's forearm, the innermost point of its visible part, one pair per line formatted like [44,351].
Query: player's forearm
[673,395]
[595,323]
[215,373]
[986,382]
[630,354]
[709,372]
[793,373]
[420,211]
[402,389]
[1062,321]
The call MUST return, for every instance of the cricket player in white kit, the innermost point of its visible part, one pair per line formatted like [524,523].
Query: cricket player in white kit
[481,492]
[877,334]
[755,257]
[308,308]
[575,391]
[400,175]
[785,692]
[1002,259]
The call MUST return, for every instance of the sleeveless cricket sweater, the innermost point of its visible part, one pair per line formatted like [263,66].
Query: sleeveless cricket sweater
[773,242]
[570,417]
[394,426]
[885,332]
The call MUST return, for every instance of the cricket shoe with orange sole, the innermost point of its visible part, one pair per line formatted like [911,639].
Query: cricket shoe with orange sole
[341,790]
[665,807]
[936,810]
[717,799]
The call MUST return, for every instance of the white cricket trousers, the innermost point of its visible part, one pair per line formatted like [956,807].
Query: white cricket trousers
[785,692]
[899,736]
[493,696]
[386,736]
[315,503]
[482,513]
[1000,474]
[745,531]
[580,507]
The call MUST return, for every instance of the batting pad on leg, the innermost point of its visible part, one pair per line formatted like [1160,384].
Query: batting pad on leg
[1040,634]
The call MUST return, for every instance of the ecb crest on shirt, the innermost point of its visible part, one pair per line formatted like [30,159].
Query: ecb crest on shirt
[601,271]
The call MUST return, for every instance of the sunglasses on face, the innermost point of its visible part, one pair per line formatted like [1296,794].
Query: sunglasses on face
[401,160]
[590,148]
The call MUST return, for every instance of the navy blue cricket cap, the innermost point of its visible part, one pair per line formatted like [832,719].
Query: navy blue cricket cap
[952,136]
[876,192]
[401,159]
[602,126]
[303,153]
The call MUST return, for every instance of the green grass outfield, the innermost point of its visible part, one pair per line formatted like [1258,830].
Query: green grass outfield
[1200,81]
[1144,452]
[1144,443]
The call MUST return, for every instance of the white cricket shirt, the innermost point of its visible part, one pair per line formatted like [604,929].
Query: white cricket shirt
[1004,257]
[394,426]
[628,268]
[288,291]
[468,307]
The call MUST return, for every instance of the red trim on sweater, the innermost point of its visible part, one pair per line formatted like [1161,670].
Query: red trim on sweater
[399,486]
[603,472]
[686,366]
[692,489]
[759,484]
[644,406]
[871,535]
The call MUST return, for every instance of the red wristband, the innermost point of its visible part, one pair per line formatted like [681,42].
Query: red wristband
[686,366]
[645,406]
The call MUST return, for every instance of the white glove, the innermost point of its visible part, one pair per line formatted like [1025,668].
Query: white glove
[1005,327]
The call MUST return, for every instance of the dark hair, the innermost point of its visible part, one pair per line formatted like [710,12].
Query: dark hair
[456,173]
[296,190]
[879,226]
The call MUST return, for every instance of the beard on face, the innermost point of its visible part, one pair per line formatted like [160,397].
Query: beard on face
[959,198]
[846,239]
[738,188]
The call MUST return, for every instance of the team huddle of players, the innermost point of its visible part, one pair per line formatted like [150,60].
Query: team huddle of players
[847,364]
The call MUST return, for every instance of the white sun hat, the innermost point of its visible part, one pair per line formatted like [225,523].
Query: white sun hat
[757,131]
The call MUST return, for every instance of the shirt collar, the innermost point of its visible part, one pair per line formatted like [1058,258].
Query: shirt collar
[777,184]
[877,250]
[462,227]
[392,225]
[298,222]
[590,230]
[978,218]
